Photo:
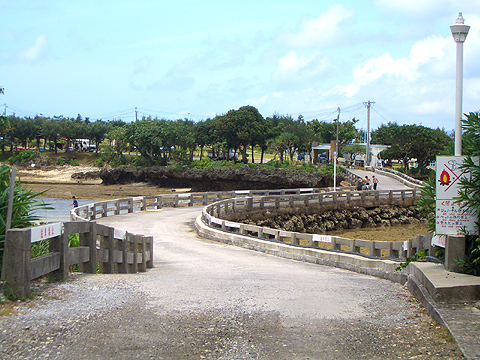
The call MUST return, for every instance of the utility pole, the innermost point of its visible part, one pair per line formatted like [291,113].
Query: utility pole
[338,120]
[367,156]
[136,112]
[335,155]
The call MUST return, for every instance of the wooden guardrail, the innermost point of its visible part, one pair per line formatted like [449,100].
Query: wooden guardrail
[101,248]
[227,214]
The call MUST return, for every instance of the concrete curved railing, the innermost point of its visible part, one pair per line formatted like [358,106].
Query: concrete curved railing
[101,209]
[227,215]
[227,206]
[398,176]
[401,177]
[382,257]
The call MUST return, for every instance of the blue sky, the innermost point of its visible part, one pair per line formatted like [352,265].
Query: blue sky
[195,59]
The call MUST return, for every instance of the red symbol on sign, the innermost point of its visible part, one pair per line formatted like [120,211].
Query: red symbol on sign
[444,178]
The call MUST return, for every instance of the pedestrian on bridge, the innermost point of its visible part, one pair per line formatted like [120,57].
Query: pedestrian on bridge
[375,182]
[367,183]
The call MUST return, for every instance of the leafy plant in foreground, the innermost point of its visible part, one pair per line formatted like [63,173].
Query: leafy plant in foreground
[25,202]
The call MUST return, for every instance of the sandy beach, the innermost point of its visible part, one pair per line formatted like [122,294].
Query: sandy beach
[58,183]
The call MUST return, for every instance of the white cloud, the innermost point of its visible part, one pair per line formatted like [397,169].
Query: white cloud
[259,101]
[317,32]
[296,67]
[430,51]
[142,65]
[293,63]
[347,90]
[431,48]
[35,51]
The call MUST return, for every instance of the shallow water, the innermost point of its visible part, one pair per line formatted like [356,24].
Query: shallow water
[61,210]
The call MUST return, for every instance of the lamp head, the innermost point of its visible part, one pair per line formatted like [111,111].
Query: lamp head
[459,30]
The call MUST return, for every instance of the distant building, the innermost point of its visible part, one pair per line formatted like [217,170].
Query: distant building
[325,152]
[375,150]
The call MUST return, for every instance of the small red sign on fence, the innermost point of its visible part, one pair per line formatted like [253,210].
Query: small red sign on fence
[44,232]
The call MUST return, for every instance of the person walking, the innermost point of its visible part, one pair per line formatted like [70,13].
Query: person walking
[75,202]
[375,182]
[367,183]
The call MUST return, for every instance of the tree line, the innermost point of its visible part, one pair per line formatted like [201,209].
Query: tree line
[159,140]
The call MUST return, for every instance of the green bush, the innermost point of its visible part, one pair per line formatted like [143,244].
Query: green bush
[25,202]
[207,163]
[23,157]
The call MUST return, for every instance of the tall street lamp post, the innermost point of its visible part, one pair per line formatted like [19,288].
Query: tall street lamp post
[459,32]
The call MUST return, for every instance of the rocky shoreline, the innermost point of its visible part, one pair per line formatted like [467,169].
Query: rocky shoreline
[379,216]
[218,179]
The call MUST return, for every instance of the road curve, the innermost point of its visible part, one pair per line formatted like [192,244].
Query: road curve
[385,182]
[205,300]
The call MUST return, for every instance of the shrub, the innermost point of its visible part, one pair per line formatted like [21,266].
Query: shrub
[25,202]
[23,157]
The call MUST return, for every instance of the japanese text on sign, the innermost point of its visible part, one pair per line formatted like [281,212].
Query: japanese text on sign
[322,238]
[454,218]
[44,232]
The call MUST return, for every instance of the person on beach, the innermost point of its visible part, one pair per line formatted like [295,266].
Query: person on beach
[75,202]
[375,182]
[367,183]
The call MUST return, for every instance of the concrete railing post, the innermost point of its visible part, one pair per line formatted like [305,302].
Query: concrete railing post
[249,203]
[143,248]
[149,243]
[131,248]
[104,209]
[123,266]
[454,251]
[16,262]
[89,239]
[59,245]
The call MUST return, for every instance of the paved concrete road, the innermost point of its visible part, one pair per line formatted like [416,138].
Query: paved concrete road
[205,300]
[385,182]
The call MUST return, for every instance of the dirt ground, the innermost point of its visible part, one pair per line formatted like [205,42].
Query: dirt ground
[58,183]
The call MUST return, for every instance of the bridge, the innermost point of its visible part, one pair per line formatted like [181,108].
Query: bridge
[208,300]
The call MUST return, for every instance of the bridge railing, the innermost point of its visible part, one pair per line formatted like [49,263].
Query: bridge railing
[227,207]
[226,215]
[101,248]
[101,209]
